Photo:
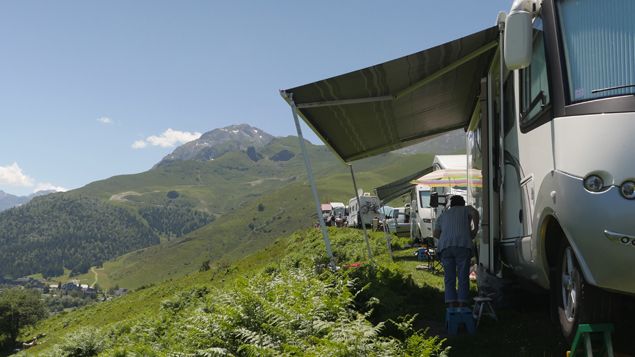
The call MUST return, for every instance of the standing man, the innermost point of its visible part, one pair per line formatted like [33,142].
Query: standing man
[455,228]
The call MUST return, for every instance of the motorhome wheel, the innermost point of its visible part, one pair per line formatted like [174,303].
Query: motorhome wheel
[576,298]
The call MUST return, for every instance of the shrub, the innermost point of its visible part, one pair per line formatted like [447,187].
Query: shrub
[84,343]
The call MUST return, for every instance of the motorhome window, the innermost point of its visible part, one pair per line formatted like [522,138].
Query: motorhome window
[534,90]
[599,47]
[424,199]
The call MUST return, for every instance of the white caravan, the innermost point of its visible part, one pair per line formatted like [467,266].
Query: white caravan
[368,211]
[558,208]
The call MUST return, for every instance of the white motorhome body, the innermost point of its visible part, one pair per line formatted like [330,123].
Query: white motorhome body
[550,112]
[553,202]
[367,212]
[338,209]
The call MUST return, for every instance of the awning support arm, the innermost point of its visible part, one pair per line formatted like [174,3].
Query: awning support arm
[329,103]
[452,66]
[359,210]
[309,172]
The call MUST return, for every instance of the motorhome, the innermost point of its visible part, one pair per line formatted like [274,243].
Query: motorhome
[365,212]
[548,99]
[326,210]
[338,213]
[557,202]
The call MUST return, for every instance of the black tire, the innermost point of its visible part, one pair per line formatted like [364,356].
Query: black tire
[577,301]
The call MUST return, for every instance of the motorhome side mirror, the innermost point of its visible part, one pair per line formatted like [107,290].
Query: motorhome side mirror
[434,200]
[518,40]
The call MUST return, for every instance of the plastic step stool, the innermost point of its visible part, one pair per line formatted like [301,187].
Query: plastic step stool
[483,306]
[586,332]
[457,316]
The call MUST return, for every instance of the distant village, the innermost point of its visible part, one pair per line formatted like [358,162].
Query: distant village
[72,287]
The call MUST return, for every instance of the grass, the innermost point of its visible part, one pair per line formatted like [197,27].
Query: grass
[396,288]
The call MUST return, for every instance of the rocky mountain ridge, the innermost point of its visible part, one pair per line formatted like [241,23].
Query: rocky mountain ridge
[217,142]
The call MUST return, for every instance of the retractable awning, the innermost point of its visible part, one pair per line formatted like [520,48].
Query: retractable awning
[400,102]
[390,191]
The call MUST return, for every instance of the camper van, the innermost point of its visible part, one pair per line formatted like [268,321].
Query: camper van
[548,99]
[369,209]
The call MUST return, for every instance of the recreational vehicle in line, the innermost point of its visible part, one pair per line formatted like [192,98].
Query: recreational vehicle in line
[363,215]
[548,100]
[338,213]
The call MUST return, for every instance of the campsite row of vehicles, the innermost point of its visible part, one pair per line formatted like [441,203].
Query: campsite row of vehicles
[353,215]
[547,99]
[416,218]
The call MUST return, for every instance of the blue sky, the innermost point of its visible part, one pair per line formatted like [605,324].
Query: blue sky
[82,82]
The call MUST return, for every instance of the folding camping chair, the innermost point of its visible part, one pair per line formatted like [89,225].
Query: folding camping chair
[434,263]
[428,252]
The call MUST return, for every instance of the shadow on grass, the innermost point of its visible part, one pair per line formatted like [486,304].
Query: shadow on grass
[524,327]
[392,294]
[407,258]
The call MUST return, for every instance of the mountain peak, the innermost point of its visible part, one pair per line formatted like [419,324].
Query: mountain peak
[217,142]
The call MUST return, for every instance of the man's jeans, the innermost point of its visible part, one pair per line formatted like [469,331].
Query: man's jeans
[456,262]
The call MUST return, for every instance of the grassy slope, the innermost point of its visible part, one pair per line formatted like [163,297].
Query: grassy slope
[230,237]
[399,287]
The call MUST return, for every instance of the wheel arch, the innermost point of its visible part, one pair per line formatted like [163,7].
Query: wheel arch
[554,237]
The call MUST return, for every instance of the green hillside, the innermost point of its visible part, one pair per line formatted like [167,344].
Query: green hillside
[56,232]
[84,227]
[241,200]
[246,228]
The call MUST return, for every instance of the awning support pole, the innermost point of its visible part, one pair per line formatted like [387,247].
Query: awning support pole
[359,208]
[309,172]
[385,226]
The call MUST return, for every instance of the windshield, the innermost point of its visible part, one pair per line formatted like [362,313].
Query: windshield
[599,47]
[424,199]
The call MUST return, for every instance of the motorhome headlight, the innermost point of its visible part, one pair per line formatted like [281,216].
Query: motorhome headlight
[593,183]
[628,190]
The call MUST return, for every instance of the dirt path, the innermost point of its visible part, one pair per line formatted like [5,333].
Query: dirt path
[121,197]
[94,271]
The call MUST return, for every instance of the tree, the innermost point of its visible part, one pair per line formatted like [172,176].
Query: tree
[204,266]
[19,308]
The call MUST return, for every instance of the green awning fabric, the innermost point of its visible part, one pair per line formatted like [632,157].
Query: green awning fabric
[400,102]
[390,191]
